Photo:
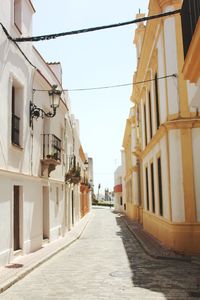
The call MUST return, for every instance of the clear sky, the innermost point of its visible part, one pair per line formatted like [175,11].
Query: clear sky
[100,58]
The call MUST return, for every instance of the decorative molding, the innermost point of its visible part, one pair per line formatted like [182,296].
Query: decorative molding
[154,60]
[164,128]
[183,237]
[164,3]
[191,68]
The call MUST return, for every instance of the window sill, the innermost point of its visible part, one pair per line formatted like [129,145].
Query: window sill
[17,147]
[18,252]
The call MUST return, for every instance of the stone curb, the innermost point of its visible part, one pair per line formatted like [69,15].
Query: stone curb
[149,252]
[4,286]
[195,260]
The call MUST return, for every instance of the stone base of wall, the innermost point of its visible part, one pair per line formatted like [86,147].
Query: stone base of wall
[5,257]
[132,211]
[180,237]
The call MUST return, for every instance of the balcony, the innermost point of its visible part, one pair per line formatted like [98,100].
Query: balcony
[51,157]
[73,175]
[191,39]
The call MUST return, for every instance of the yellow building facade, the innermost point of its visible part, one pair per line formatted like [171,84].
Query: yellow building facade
[131,169]
[162,136]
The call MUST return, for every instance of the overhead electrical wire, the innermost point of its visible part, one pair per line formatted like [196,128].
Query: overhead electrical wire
[119,85]
[112,86]
[12,40]
[53,36]
[91,29]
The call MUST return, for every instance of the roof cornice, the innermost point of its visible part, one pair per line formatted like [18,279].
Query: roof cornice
[164,3]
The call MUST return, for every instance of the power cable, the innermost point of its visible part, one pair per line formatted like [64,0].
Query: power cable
[13,40]
[82,89]
[53,36]
[73,32]
[112,86]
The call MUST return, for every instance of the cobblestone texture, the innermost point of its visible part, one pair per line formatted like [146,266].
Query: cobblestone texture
[151,245]
[107,262]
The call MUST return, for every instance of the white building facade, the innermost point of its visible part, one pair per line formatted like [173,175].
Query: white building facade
[118,198]
[36,202]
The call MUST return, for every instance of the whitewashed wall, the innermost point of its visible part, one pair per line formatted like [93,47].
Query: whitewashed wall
[176,175]
[171,65]
[196,165]
[161,82]
[5,217]
[32,215]
[22,166]
[118,181]
[192,90]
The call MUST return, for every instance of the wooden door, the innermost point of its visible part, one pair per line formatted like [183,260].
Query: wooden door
[72,208]
[16,221]
[45,212]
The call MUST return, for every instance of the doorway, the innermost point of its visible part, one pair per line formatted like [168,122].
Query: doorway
[45,212]
[16,218]
[72,207]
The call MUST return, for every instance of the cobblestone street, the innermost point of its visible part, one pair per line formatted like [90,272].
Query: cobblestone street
[107,262]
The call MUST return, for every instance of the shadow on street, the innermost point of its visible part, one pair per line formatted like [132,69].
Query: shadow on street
[174,279]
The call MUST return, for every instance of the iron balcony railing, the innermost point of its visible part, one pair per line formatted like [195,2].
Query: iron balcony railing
[51,146]
[190,13]
[15,129]
[73,170]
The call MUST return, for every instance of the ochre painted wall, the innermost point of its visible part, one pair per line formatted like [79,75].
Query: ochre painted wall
[181,237]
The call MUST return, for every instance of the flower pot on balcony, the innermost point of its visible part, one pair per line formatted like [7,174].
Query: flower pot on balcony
[73,176]
[75,179]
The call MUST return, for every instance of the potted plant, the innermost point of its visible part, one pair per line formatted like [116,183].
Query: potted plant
[73,175]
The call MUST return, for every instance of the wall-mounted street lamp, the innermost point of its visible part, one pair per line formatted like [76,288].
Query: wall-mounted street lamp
[37,112]
[86,164]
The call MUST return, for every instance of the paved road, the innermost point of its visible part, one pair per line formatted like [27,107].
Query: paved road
[107,263]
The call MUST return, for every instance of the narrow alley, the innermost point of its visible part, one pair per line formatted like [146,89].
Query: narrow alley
[107,262]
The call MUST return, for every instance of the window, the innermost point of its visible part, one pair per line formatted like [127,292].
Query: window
[57,195]
[51,146]
[145,125]
[56,147]
[152,188]
[189,16]
[147,188]
[160,186]
[18,14]
[157,102]
[17,216]
[121,202]
[15,134]
[150,115]
[17,107]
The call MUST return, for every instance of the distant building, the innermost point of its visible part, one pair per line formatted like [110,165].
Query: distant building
[118,198]
[131,172]
[91,180]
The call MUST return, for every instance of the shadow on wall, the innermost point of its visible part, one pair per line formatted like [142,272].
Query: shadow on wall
[174,279]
